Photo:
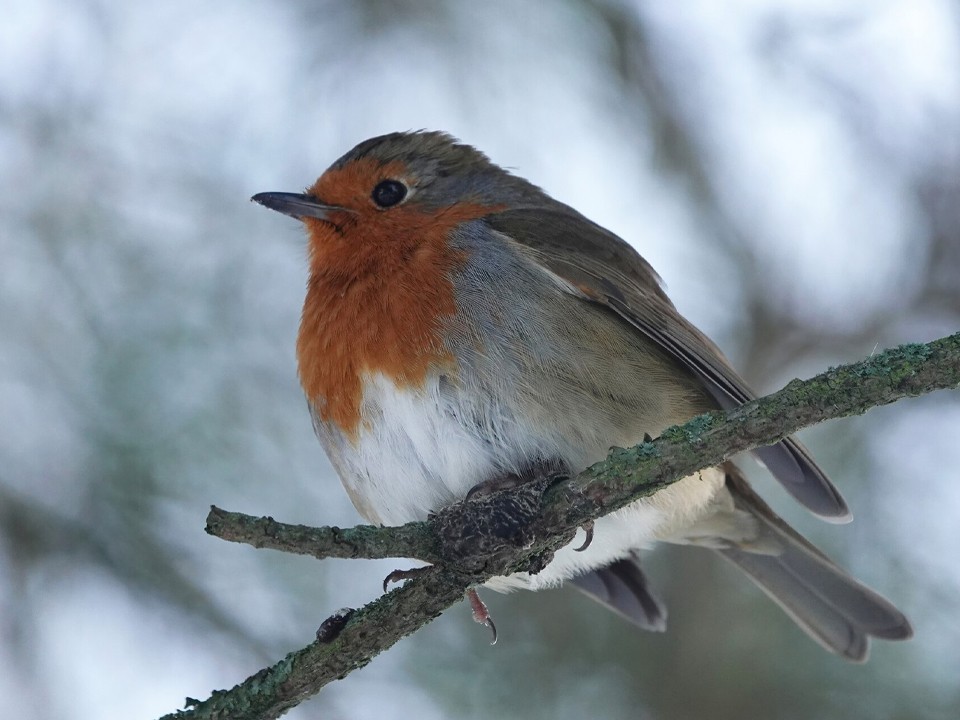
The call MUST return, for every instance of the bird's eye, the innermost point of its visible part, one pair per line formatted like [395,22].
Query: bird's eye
[388,193]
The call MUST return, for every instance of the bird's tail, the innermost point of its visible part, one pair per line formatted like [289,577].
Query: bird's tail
[833,608]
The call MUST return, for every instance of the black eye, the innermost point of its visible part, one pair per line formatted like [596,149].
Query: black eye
[388,193]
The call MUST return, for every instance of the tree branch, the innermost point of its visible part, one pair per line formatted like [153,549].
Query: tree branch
[413,540]
[519,530]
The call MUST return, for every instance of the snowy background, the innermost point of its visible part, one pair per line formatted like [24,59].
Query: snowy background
[792,170]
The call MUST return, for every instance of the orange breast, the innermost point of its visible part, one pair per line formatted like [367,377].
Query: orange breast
[378,298]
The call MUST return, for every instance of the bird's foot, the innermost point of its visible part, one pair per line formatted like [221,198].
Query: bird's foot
[493,485]
[481,614]
[553,471]
[398,575]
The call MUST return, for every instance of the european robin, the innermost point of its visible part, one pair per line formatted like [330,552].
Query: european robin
[462,328]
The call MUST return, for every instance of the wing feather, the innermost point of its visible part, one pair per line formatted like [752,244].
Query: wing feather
[597,266]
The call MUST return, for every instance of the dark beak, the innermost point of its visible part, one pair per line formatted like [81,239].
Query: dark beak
[295,205]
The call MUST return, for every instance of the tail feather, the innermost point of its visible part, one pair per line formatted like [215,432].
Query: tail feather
[833,608]
[623,588]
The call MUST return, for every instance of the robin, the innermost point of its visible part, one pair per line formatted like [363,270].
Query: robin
[462,329]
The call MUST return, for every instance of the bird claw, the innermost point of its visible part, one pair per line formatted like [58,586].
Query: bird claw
[539,471]
[412,573]
[496,484]
[588,529]
[481,614]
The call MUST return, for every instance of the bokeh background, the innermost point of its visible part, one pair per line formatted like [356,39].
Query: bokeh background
[791,168]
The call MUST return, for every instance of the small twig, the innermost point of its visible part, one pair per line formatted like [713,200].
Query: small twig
[413,540]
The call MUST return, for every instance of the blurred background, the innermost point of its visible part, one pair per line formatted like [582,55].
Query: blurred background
[791,168]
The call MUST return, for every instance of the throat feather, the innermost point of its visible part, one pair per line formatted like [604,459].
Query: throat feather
[386,314]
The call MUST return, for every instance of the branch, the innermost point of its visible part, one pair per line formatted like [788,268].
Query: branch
[519,530]
[413,540]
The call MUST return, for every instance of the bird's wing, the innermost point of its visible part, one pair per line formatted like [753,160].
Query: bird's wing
[597,266]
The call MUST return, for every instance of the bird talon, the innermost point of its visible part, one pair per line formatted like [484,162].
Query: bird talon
[489,487]
[411,574]
[481,614]
[588,529]
[493,628]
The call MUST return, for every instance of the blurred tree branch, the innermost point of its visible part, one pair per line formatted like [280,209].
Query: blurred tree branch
[519,530]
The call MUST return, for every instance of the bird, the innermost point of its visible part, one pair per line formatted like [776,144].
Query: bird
[461,329]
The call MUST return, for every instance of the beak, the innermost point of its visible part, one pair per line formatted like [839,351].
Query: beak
[295,205]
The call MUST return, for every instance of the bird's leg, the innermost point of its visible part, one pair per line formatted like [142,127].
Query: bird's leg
[480,613]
